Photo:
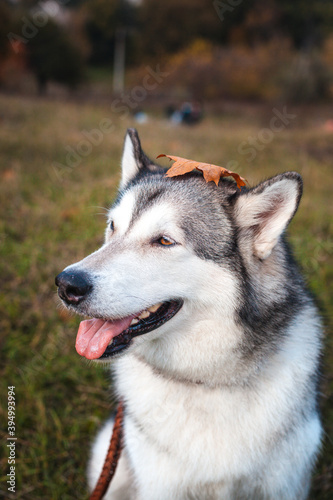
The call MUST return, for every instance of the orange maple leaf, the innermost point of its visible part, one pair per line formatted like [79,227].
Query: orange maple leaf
[210,172]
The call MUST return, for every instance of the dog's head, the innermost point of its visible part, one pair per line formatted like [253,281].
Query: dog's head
[175,249]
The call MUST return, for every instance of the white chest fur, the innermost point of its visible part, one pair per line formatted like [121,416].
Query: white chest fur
[191,435]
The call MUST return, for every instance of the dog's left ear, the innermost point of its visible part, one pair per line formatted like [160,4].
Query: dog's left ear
[133,159]
[267,209]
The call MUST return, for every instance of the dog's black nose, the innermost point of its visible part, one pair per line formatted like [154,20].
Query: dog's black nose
[73,286]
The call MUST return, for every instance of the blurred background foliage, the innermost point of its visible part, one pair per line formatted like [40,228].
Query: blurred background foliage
[253,49]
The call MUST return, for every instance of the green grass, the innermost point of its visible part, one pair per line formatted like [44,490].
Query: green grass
[47,223]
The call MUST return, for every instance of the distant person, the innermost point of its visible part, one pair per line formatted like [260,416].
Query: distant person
[189,113]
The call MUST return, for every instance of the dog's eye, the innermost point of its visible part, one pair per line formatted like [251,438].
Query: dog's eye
[111,226]
[165,241]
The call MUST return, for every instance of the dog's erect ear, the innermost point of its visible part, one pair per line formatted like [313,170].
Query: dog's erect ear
[267,209]
[133,158]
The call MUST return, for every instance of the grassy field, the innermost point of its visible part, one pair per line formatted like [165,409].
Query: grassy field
[52,215]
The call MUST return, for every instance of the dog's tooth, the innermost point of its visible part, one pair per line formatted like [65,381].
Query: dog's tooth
[154,308]
[134,321]
[144,314]
[110,343]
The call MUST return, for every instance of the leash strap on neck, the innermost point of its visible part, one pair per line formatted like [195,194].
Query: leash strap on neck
[112,456]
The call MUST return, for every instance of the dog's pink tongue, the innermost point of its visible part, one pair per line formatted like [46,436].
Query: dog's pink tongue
[94,335]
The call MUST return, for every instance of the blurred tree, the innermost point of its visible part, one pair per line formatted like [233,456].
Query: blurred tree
[52,56]
[260,24]
[307,23]
[5,24]
[28,4]
[104,17]
[307,79]
[176,24]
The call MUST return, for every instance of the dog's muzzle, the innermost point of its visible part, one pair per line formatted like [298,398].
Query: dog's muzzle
[73,287]
[100,337]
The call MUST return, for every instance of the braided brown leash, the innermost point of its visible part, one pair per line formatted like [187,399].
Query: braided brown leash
[112,456]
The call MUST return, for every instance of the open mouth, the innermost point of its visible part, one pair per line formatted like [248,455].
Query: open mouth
[100,338]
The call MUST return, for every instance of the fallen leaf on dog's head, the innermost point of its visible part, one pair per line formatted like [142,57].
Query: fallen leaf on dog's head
[210,172]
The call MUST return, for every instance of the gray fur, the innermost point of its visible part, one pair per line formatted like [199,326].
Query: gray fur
[249,342]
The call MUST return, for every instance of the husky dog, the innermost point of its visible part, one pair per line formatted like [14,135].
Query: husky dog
[214,339]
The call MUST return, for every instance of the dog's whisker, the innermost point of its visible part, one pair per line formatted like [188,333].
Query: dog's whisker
[102,208]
